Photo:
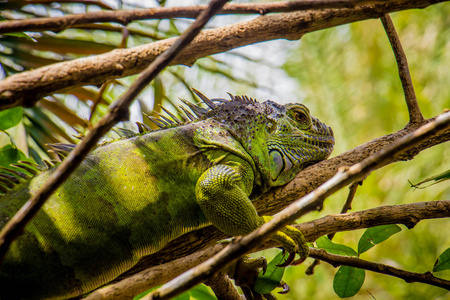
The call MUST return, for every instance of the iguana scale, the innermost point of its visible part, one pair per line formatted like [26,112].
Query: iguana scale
[131,196]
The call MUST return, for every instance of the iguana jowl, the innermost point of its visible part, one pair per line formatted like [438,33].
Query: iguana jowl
[130,197]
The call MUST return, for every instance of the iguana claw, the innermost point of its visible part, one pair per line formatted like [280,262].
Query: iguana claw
[285,287]
[298,261]
[288,261]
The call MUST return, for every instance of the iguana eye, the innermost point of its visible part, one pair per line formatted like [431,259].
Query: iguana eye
[302,117]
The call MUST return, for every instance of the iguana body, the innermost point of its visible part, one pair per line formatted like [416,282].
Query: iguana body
[132,196]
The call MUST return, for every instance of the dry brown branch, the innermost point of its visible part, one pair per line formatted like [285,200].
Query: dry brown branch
[310,202]
[408,214]
[338,260]
[124,17]
[26,88]
[119,111]
[415,115]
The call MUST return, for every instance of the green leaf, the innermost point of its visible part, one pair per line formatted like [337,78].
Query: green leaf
[10,155]
[184,296]
[376,235]
[10,117]
[267,282]
[201,292]
[325,243]
[443,261]
[348,281]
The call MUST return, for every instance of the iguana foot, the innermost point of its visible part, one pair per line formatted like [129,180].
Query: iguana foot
[293,242]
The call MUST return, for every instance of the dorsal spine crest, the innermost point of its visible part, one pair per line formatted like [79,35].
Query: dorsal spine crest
[25,170]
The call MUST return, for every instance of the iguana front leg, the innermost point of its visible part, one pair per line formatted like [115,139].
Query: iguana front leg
[222,194]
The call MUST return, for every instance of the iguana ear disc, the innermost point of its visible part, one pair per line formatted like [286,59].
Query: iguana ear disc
[276,164]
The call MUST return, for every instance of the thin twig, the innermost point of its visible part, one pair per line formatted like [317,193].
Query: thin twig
[348,202]
[124,17]
[119,112]
[408,214]
[98,98]
[415,115]
[311,268]
[338,260]
[310,202]
[351,194]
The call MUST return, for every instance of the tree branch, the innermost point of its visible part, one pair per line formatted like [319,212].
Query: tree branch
[26,88]
[415,115]
[278,198]
[119,111]
[308,203]
[125,17]
[337,260]
[408,214]
[310,178]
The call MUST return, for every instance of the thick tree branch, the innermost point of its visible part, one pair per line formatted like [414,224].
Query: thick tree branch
[415,115]
[278,198]
[119,111]
[125,17]
[313,176]
[308,203]
[26,88]
[408,214]
[338,260]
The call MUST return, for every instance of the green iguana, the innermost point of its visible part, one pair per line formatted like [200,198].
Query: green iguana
[131,196]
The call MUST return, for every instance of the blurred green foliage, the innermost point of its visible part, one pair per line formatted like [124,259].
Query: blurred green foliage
[349,78]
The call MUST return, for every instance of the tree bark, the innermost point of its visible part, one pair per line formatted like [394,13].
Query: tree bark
[26,88]
[278,198]
[408,214]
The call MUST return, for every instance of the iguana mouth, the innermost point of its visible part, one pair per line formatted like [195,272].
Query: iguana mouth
[309,149]
[323,142]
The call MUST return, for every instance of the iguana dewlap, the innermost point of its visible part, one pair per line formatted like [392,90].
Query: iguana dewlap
[130,197]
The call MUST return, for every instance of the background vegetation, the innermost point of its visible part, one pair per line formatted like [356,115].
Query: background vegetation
[347,76]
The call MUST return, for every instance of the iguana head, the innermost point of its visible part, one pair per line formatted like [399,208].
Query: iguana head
[281,139]
[295,140]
